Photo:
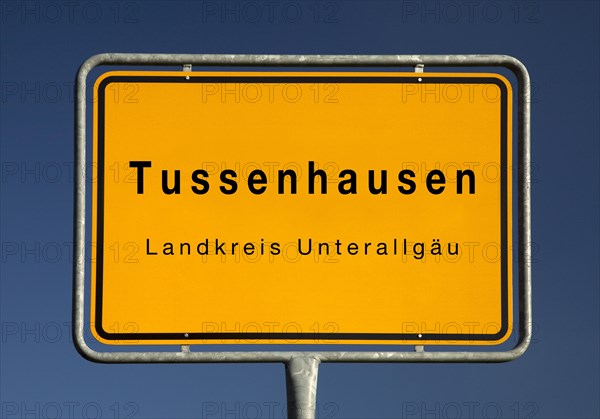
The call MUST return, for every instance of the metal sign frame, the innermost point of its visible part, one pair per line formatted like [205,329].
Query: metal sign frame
[302,366]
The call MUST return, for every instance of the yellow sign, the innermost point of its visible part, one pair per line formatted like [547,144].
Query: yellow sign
[350,207]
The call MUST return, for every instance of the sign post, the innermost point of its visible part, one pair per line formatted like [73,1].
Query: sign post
[303,207]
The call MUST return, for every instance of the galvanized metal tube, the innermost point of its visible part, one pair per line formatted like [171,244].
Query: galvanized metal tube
[301,375]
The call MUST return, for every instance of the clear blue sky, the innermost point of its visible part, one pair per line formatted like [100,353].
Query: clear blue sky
[42,45]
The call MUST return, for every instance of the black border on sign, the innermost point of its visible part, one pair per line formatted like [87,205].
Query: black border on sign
[190,336]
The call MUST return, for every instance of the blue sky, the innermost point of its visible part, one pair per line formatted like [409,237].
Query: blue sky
[42,45]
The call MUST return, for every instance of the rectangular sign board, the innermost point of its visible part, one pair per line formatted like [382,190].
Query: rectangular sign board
[313,207]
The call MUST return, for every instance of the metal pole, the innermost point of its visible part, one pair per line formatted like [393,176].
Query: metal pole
[301,386]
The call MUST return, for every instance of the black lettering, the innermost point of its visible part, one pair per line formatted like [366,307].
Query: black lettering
[418,250]
[403,178]
[353,248]
[450,251]
[435,177]
[203,183]
[201,245]
[436,247]
[323,245]
[168,249]
[383,188]
[281,174]
[183,246]
[219,247]
[459,181]
[257,177]
[351,182]
[227,181]
[176,189]
[249,248]
[300,247]
[338,244]
[275,249]
[312,174]
[148,252]
[140,165]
